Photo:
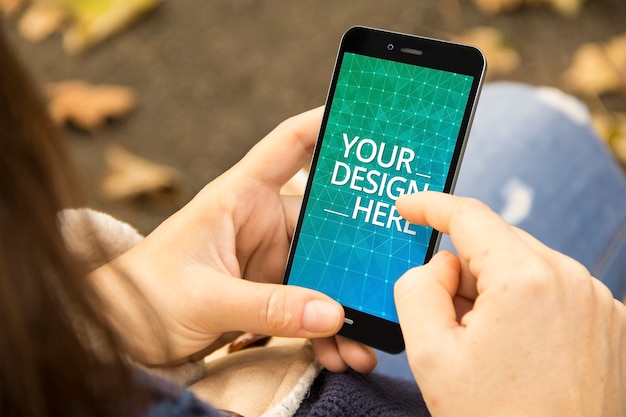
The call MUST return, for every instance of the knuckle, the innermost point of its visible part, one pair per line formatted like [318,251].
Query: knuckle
[467,212]
[572,269]
[403,284]
[620,308]
[424,357]
[471,206]
[472,203]
[557,274]
[276,316]
[603,294]
[539,276]
[575,277]
[294,129]
[408,287]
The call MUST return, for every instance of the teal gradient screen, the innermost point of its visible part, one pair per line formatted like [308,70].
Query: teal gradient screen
[391,130]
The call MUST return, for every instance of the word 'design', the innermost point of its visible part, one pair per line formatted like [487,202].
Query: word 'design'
[386,173]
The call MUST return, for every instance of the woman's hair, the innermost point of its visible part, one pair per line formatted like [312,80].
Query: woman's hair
[46,367]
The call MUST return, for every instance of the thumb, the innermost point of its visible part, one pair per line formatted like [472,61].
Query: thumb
[424,300]
[276,310]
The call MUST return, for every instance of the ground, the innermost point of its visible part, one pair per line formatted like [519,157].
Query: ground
[213,77]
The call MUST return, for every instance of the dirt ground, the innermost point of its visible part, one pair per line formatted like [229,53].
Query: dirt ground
[213,77]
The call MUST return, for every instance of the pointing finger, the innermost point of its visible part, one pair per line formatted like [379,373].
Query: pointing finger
[483,240]
[424,299]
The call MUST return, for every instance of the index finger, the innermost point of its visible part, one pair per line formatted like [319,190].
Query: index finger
[285,150]
[483,240]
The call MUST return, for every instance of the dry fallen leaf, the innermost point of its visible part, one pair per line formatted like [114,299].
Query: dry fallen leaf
[615,50]
[598,68]
[612,129]
[564,7]
[90,21]
[96,20]
[502,58]
[570,8]
[591,71]
[10,7]
[130,176]
[88,106]
[41,20]
[492,7]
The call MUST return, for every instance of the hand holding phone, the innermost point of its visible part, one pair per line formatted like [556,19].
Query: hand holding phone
[396,122]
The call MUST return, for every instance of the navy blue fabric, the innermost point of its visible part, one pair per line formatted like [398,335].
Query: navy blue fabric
[346,394]
[357,395]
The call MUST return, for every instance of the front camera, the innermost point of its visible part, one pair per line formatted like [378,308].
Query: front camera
[390,47]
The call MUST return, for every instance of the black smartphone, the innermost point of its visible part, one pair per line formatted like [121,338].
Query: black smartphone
[397,117]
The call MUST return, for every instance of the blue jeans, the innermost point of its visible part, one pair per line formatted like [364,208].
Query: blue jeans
[533,157]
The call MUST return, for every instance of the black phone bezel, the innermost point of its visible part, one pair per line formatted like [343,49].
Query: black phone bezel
[416,50]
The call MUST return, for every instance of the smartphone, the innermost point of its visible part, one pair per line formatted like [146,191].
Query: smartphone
[396,121]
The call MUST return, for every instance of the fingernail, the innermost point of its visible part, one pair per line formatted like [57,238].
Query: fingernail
[321,316]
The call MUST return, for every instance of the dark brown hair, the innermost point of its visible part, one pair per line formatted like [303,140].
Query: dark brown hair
[46,368]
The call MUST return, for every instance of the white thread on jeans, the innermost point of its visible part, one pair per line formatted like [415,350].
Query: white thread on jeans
[518,198]
[566,104]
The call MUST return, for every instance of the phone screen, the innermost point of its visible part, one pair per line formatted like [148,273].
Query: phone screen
[390,128]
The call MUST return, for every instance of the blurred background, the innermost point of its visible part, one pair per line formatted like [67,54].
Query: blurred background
[196,83]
